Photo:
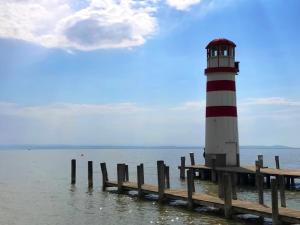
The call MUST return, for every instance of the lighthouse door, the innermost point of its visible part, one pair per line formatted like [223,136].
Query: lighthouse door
[231,153]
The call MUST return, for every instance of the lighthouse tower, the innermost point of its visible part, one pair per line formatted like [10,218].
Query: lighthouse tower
[221,128]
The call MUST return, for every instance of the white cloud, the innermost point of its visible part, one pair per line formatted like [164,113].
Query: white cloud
[63,24]
[182,4]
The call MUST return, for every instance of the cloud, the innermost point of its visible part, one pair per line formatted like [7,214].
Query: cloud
[182,4]
[94,24]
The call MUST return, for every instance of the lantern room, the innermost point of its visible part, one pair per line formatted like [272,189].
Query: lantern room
[221,53]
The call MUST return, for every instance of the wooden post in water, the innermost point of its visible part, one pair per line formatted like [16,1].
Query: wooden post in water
[227,196]
[190,188]
[282,191]
[104,175]
[277,162]
[192,158]
[161,180]
[90,174]
[140,180]
[213,171]
[126,178]
[167,176]
[234,185]
[275,211]
[261,160]
[259,180]
[73,171]
[182,168]
[220,185]
[143,177]
[120,176]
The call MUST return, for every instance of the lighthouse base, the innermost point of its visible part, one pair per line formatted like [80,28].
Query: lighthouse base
[219,160]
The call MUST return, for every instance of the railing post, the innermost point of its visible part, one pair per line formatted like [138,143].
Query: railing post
[161,180]
[90,174]
[227,196]
[182,168]
[190,188]
[282,191]
[167,176]
[73,171]
[277,162]
[192,157]
[275,211]
[140,180]
[104,175]
[120,176]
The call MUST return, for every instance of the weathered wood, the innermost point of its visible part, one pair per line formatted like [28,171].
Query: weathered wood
[190,188]
[259,180]
[220,185]
[140,180]
[90,174]
[282,191]
[120,176]
[167,176]
[277,162]
[261,160]
[234,185]
[73,171]
[213,171]
[227,195]
[161,179]
[275,210]
[142,171]
[126,177]
[192,157]
[104,175]
[182,168]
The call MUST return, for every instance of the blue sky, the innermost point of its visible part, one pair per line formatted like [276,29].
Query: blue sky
[131,72]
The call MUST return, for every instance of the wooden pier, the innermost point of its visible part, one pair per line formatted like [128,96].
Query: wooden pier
[245,174]
[225,202]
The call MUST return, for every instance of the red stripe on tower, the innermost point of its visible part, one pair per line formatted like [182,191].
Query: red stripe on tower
[219,111]
[220,85]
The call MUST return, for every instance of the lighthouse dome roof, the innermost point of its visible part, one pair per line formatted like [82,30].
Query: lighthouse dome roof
[220,41]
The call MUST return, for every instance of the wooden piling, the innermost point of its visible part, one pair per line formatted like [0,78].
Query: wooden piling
[227,195]
[73,171]
[234,185]
[277,162]
[182,168]
[192,157]
[282,191]
[126,177]
[167,176]
[161,180]
[259,180]
[142,171]
[190,188]
[120,176]
[104,175]
[90,174]
[220,185]
[140,180]
[275,211]
[213,171]
[261,160]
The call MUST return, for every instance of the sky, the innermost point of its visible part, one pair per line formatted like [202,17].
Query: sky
[130,72]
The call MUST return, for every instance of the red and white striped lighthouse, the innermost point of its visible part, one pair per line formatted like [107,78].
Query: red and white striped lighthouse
[221,126]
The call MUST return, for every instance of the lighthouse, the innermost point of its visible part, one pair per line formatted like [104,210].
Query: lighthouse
[221,125]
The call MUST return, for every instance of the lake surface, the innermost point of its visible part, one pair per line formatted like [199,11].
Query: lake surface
[35,187]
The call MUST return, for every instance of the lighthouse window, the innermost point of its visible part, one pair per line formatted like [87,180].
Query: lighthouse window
[224,51]
[214,51]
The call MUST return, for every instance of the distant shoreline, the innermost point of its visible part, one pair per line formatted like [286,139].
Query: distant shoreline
[41,147]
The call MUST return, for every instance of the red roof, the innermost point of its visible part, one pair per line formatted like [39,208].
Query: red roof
[220,41]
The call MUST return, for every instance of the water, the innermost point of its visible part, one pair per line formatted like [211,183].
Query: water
[35,187]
